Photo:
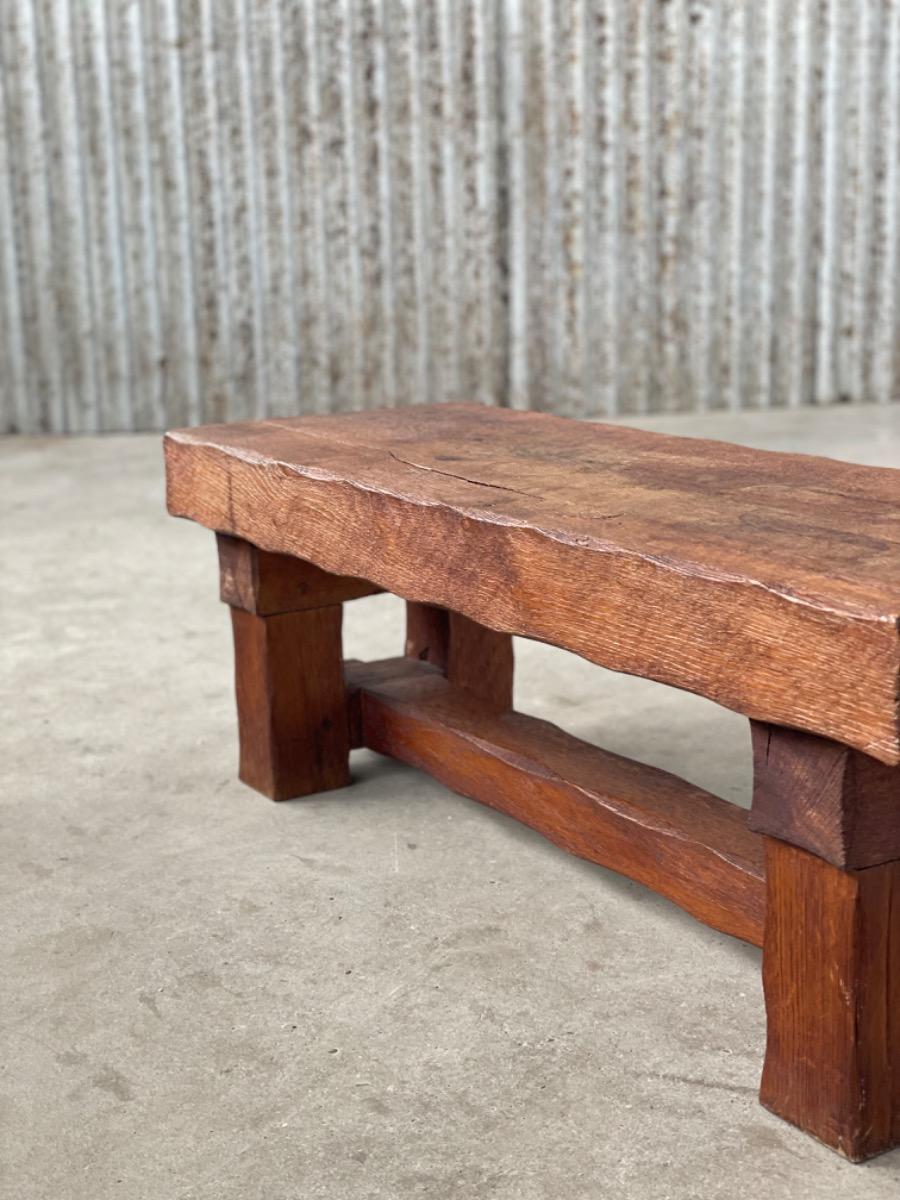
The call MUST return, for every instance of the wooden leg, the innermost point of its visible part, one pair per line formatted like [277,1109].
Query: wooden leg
[831,947]
[427,634]
[292,706]
[831,974]
[836,802]
[470,655]
[293,714]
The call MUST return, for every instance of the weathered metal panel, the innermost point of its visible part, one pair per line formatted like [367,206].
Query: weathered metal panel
[219,209]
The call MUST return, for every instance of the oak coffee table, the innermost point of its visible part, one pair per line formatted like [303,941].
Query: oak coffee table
[768,582]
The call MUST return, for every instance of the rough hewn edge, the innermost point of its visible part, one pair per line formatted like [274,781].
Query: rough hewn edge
[880,739]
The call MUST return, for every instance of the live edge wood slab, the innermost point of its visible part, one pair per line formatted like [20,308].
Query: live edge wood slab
[767,582]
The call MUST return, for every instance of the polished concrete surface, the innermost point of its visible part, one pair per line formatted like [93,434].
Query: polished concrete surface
[387,991]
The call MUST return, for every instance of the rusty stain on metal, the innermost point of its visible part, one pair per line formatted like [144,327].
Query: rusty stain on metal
[220,209]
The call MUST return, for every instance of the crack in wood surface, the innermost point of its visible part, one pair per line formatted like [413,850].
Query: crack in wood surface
[502,487]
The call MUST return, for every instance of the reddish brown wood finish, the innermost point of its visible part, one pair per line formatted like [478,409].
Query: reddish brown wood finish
[291,700]
[831,972]
[265,583]
[427,634]
[768,582]
[834,801]
[470,655]
[644,823]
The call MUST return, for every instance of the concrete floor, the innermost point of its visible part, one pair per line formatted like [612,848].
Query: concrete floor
[384,992]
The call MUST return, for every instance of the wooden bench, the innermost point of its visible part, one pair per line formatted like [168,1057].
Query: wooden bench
[767,582]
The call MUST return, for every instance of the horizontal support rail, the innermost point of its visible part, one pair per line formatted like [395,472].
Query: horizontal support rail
[682,842]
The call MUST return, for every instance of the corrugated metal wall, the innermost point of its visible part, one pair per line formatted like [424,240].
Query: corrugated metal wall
[217,209]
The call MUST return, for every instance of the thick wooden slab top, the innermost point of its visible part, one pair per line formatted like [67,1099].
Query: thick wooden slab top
[769,582]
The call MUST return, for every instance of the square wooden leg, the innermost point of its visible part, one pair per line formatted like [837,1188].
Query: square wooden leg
[831,950]
[293,715]
[831,974]
[291,701]
[470,655]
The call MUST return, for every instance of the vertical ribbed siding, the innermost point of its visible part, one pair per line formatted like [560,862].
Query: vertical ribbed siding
[219,209]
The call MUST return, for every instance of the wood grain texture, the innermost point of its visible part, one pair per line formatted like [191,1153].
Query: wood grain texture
[265,583]
[831,973]
[291,701]
[470,655]
[427,634]
[689,846]
[767,582]
[825,797]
